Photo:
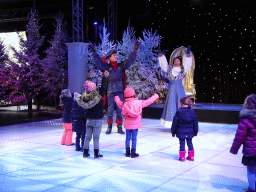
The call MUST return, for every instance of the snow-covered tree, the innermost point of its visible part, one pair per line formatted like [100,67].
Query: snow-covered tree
[101,49]
[26,81]
[55,64]
[126,46]
[106,45]
[149,43]
[141,76]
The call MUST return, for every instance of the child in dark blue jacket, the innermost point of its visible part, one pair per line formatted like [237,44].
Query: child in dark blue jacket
[185,127]
[79,118]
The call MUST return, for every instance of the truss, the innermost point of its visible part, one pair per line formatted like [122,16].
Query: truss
[77,21]
[112,19]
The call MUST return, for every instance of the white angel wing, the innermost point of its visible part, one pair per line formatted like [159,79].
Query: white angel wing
[163,63]
[187,63]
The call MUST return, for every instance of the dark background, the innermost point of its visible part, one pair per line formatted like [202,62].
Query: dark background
[221,34]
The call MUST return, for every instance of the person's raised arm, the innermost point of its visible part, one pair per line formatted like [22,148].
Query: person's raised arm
[97,60]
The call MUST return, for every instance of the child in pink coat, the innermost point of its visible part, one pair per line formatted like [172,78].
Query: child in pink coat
[132,112]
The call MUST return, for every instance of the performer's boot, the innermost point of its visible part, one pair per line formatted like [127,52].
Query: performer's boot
[182,155]
[128,152]
[134,154]
[119,129]
[109,128]
[96,153]
[191,155]
[86,153]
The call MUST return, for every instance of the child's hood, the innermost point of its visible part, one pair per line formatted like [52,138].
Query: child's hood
[248,113]
[186,114]
[131,107]
[89,100]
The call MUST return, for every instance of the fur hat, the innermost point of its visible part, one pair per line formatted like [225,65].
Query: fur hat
[129,92]
[89,86]
[113,51]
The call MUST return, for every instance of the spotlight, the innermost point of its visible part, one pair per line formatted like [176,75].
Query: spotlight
[95,23]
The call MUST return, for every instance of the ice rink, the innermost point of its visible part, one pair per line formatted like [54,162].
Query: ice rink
[32,159]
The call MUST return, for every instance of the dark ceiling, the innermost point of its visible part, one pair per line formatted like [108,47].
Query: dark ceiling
[17,10]
[14,13]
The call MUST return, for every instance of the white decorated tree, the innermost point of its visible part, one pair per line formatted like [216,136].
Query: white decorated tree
[101,49]
[126,46]
[141,76]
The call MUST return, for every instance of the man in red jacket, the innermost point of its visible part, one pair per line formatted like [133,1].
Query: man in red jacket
[115,83]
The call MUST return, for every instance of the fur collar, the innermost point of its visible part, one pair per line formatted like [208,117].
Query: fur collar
[89,100]
[248,113]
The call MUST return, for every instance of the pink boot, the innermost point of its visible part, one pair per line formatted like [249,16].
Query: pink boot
[191,155]
[182,155]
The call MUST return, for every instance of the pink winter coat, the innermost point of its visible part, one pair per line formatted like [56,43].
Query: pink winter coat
[132,110]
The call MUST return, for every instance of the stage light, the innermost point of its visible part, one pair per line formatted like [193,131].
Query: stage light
[95,23]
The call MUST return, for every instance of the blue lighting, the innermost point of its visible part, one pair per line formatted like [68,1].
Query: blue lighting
[95,23]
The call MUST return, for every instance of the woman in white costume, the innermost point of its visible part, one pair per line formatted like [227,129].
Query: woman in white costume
[180,62]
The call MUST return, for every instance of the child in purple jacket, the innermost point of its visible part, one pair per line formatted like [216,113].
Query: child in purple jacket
[132,112]
[246,136]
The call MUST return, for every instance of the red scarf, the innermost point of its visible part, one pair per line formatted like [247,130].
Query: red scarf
[114,64]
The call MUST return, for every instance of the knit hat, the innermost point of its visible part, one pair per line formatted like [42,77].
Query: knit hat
[89,86]
[129,92]
[113,51]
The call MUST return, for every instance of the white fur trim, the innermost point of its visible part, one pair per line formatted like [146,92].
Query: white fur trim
[176,71]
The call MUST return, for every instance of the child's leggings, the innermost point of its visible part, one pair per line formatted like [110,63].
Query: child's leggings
[189,143]
[251,172]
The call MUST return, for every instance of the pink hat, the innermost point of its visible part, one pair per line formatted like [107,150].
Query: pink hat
[129,92]
[89,86]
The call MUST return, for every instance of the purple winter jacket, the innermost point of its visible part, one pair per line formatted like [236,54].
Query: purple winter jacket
[246,133]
